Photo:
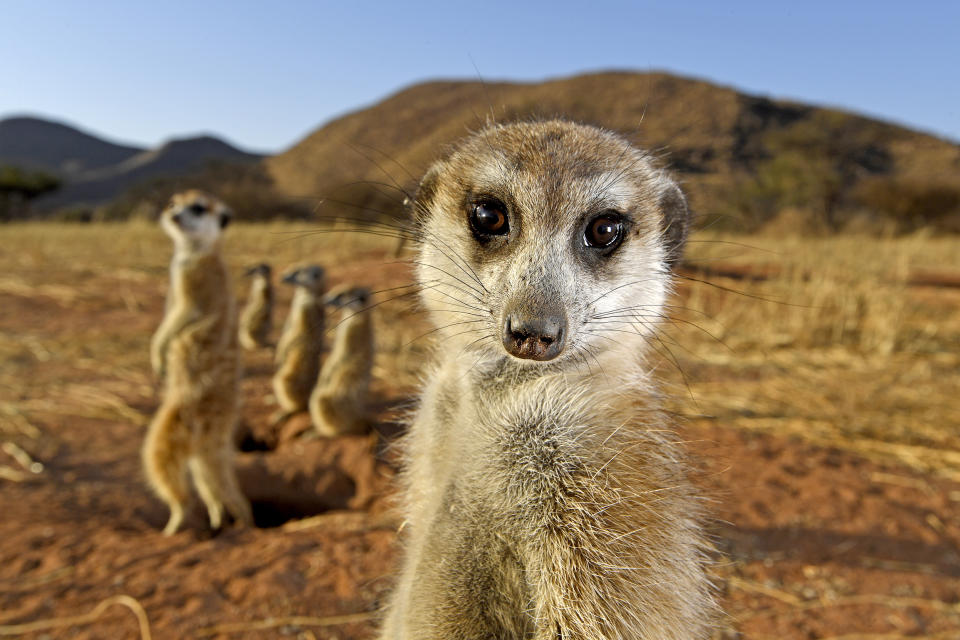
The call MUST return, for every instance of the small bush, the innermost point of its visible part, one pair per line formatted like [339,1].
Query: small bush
[19,186]
[912,205]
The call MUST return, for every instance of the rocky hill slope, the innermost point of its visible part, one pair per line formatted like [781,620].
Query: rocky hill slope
[740,156]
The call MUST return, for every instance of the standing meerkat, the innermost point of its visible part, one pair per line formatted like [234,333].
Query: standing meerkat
[301,342]
[338,404]
[195,352]
[256,320]
[546,495]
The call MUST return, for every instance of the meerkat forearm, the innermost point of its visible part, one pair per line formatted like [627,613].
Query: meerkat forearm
[176,320]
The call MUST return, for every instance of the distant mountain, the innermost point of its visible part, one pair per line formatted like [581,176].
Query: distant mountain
[737,154]
[175,158]
[56,148]
[94,171]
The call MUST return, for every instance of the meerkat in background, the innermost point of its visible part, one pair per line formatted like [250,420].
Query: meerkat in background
[301,342]
[338,404]
[256,320]
[195,352]
[546,494]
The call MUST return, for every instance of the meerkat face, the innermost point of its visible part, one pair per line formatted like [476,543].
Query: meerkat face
[195,220]
[312,278]
[352,298]
[261,270]
[547,241]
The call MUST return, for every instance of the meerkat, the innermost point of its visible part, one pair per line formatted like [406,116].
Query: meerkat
[545,493]
[195,352]
[256,320]
[301,342]
[338,404]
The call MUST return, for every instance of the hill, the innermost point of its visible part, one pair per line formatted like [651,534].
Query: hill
[741,156]
[33,143]
[175,158]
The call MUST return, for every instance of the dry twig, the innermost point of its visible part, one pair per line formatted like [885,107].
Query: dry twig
[87,618]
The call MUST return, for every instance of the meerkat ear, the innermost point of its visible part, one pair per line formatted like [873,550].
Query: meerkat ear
[676,221]
[225,218]
[426,191]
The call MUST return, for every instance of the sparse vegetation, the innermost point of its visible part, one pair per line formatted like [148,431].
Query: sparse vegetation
[744,159]
[824,348]
[828,341]
[246,187]
[19,186]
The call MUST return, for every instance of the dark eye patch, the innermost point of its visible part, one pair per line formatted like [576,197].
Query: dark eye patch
[197,209]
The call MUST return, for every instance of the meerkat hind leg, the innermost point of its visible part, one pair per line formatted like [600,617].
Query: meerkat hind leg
[205,481]
[165,453]
[215,478]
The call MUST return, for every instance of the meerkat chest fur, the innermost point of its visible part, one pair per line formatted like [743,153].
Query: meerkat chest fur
[261,295]
[546,496]
[200,285]
[306,317]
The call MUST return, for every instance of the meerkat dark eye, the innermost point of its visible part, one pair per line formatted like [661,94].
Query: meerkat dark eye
[197,209]
[489,218]
[605,231]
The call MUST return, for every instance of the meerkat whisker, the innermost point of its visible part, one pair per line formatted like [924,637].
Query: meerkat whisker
[457,302]
[474,292]
[419,290]
[397,186]
[432,331]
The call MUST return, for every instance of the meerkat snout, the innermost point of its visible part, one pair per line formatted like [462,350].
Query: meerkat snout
[195,220]
[533,336]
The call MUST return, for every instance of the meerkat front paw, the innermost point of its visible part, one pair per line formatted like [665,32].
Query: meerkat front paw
[157,358]
[158,365]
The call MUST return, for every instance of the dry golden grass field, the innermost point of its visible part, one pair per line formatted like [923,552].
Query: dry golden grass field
[817,383]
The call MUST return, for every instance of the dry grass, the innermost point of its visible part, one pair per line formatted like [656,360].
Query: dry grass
[94,293]
[832,346]
[827,343]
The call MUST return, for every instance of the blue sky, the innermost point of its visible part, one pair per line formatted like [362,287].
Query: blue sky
[263,74]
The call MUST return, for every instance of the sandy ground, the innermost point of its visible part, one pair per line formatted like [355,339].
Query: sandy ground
[814,541]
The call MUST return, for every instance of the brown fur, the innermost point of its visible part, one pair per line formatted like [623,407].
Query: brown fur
[195,350]
[547,500]
[338,404]
[300,347]
[256,319]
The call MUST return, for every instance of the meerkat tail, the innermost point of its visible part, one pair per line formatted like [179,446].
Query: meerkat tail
[215,479]
[165,452]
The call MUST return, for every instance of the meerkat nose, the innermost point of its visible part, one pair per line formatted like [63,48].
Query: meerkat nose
[534,337]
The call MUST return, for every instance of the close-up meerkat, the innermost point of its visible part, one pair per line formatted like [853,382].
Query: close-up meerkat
[195,352]
[546,495]
[301,342]
[338,404]
[256,319]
